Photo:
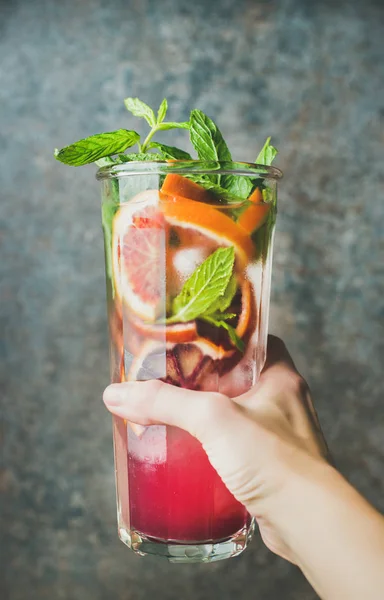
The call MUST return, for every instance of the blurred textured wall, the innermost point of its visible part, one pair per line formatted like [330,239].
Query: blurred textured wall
[308,73]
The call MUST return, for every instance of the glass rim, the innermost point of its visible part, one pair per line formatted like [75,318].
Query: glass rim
[160,167]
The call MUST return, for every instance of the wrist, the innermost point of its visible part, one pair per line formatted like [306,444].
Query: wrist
[328,530]
[303,481]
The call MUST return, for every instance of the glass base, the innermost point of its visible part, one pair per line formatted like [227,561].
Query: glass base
[208,551]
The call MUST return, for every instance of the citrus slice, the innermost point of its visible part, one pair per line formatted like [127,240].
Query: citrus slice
[256,214]
[138,255]
[176,185]
[206,219]
[247,304]
[188,365]
[176,333]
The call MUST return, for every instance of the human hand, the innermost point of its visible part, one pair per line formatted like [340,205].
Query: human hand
[257,442]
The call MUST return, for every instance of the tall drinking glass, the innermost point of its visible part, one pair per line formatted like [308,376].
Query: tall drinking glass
[169,245]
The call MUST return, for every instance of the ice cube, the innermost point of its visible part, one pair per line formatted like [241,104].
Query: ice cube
[186,260]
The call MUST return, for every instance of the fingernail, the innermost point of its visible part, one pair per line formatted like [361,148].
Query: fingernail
[113,396]
[112,401]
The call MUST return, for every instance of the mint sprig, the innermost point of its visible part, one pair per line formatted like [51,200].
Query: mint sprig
[140,109]
[106,149]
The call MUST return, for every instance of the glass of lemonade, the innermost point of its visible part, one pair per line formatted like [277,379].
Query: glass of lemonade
[188,286]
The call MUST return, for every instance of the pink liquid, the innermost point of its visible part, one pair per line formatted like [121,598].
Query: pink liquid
[174,492]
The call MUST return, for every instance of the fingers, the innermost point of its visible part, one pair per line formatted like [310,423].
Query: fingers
[282,387]
[279,375]
[292,394]
[154,402]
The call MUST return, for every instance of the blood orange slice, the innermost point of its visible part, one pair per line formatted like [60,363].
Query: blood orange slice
[138,247]
[246,320]
[189,365]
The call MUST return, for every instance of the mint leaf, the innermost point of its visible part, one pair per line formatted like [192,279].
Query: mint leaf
[206,284]
[162,111]
[171,151]
[266,154]
[97,146]
[237,185]
[224,301]
[235,339]
[206,138]
[209,144]
[140,109]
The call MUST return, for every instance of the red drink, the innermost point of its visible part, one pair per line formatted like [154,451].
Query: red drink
[179,496]
[164,252]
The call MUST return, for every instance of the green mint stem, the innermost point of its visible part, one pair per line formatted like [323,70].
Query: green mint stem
[150,135]
[164,126]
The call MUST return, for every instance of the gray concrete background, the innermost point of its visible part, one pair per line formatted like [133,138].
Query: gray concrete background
[308,73]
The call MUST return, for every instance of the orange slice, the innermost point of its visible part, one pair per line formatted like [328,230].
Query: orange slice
[256,214]
[185,213]
[176,185]
[139,236]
